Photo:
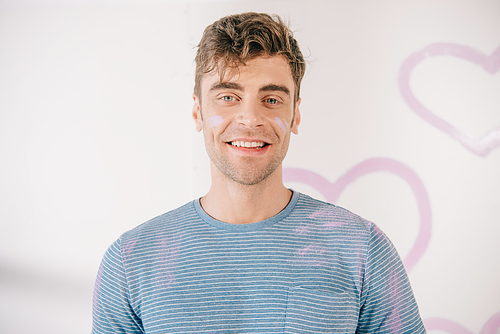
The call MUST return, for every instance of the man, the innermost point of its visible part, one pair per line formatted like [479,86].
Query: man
[251,255]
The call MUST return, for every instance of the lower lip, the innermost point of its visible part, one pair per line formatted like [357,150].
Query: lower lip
[250,151]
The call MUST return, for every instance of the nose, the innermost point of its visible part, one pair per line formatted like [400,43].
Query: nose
[250,114]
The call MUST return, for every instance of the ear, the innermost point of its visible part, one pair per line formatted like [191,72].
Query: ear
[296,120]
[197,113]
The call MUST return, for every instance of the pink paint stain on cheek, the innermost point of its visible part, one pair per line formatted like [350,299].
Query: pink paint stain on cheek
[283,126]
[214,121]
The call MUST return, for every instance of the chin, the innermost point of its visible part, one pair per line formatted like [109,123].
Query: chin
[250,178]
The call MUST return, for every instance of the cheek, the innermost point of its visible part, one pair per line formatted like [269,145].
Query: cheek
[283,126]
[214,121]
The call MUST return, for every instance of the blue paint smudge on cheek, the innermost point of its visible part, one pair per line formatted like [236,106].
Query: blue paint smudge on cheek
[214,121]
[281,125]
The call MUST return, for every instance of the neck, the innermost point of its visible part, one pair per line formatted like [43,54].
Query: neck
[231,202]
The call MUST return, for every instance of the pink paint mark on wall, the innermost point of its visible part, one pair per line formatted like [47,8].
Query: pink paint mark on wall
[332,192]
[449,326]
[481,146]
[214,121]
[492,326]
[284,126]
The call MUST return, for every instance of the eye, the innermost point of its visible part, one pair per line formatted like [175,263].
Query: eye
[272,101]
[227,98]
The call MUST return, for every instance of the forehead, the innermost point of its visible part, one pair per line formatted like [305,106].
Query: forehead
[256,73]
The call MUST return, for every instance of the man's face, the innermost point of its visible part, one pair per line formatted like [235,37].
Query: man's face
[246,119]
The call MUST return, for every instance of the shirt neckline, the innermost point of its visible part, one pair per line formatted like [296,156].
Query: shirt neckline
[251,226]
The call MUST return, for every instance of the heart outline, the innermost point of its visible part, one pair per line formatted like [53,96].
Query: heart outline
[490,327]
[482,145]
[332,192]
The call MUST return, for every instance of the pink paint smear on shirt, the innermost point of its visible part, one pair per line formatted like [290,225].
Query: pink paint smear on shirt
[128,248]
[310,255]
[332,192]
[97,289]
[395,295]
[169,250]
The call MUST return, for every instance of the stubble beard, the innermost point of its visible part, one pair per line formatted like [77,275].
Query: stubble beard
[245,172]
[248,174]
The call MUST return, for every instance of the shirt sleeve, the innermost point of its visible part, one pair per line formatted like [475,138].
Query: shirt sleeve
[387,301]
[112,312]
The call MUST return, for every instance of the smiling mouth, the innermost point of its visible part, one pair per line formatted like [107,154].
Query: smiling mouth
[248,144]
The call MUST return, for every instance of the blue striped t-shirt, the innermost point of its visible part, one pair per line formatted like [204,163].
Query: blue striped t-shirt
[313,268]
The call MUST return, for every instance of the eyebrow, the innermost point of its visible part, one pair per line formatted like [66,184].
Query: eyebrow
[226,85]
[273,87]
[234,85]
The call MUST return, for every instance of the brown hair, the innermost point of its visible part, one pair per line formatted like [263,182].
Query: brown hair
[235,39]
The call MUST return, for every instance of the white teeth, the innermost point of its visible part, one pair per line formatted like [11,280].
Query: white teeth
[247,143]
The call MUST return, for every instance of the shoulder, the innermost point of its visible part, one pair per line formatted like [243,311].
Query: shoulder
[328,215]
[158,230]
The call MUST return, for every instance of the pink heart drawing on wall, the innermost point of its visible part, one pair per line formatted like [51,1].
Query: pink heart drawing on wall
[332,192]
[481,146]
[492,326]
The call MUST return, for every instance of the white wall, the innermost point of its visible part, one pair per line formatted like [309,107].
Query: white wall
[96,137]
